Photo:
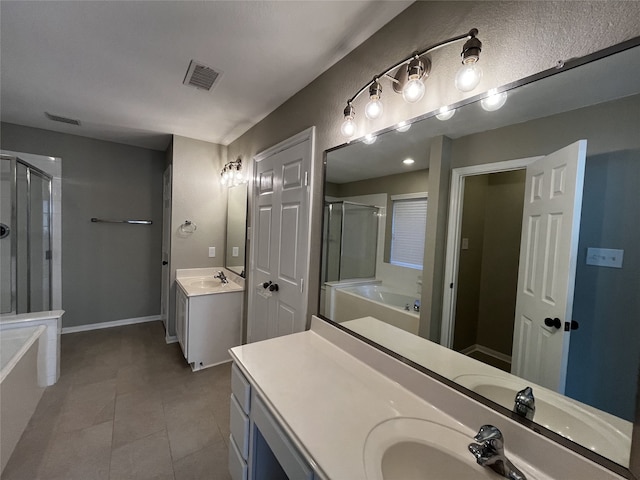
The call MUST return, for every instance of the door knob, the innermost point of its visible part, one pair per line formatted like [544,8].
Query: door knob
[574,325]
[266,285]
[555,322]
[273,287]
[164,262]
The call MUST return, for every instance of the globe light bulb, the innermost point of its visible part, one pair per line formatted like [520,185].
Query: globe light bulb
[374,108]
[403,126]
[369,139]
[413,91]
[348,128]
[445,113]
[468,77]
[494,101]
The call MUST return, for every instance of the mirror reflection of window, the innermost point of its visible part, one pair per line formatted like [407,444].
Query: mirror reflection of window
[409,225]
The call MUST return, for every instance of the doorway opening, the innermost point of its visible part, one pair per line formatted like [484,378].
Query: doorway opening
[488,266]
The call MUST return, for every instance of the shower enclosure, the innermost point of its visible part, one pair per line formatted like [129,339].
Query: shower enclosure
[25,237]
[350,241]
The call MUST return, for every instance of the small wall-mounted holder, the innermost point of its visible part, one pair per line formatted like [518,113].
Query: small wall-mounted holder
[188,227]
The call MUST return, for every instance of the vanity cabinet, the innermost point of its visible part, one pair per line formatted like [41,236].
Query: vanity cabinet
[207,326]
[259,449]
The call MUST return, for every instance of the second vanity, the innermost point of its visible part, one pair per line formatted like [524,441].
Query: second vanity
[208,315]
[323,404]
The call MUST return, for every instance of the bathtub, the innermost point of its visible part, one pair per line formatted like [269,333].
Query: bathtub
[20,389]
[378,301]
[49,355]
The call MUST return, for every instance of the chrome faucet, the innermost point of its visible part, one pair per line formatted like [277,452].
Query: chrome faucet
[221,276]
[490,453]
[525,405]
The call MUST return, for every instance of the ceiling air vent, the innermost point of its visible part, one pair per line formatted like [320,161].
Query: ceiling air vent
[200,76]
[58,118]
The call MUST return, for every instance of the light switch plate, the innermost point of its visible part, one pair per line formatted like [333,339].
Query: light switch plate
[235,251]
[212,251]
[465,244]
[605,257]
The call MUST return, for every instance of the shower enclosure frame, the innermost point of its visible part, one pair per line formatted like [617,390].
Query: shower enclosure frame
[14,161]
[326,259]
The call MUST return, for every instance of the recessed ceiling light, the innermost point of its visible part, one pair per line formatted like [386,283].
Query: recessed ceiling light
[408,161]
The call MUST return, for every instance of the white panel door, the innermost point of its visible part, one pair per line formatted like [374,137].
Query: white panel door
[546,276]
[280,243]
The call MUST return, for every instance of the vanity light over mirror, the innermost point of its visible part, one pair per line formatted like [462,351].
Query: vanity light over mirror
[234,258]
[467,315]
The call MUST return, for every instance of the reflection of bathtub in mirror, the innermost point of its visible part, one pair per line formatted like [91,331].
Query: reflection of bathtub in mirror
[346,302]
[599,431]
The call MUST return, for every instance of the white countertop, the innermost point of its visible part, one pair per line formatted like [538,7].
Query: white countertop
[331,427]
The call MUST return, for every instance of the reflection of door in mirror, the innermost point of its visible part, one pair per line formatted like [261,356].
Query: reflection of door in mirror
[236,229]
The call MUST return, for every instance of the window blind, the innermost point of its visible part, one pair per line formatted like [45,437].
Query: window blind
[408,232]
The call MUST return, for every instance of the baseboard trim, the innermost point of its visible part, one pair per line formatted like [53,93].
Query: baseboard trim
[115,323]
[487,351]
[172,339]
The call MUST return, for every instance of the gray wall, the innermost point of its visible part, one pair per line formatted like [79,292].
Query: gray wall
[109,271]
[196,195]
[604,352]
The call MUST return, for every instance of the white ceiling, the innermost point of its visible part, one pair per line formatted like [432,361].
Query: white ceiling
[118,66]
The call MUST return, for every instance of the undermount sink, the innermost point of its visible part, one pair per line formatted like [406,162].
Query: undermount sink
[413,448]
[204,285]
[594,430]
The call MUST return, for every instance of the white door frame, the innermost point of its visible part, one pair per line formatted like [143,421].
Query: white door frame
[308,134]
[452,258]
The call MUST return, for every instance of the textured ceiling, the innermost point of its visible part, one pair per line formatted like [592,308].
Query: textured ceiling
[118,67]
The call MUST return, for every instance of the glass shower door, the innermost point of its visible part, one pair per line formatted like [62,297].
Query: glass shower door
[25,249]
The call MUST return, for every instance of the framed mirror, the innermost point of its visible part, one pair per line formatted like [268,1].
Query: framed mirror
[234,258]
[391,259]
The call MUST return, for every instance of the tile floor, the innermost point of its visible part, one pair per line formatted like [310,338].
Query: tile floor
[127,406]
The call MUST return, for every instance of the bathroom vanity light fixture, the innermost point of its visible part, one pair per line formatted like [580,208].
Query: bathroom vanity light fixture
[408,79]
[231,174]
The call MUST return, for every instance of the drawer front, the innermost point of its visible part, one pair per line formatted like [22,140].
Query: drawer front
[237,466]
[239,427]
[241,388]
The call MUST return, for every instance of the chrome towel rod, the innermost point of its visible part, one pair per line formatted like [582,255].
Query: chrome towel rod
[133,222]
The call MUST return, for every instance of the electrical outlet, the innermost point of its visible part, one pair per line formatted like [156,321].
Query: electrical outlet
[212,252]
[605,257]
[235,251]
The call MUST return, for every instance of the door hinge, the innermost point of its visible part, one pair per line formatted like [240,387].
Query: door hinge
[306,179]
[301,285]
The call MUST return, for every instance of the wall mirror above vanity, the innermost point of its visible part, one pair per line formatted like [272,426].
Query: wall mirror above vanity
[234,258]
[581,363]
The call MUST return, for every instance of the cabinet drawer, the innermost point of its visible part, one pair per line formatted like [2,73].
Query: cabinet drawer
[241,388]
[239,423]
[237,466]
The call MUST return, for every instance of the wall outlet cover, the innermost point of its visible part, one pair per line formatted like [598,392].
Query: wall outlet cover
[235,252]
[212,252]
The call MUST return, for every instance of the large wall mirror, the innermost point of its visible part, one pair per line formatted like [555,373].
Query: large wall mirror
[570,134]
[234,258]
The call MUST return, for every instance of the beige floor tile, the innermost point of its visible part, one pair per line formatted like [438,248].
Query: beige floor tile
[211,462]
[80,455]
[146,458]
[87,405]
[124,403]
[137,415]
[188,437]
